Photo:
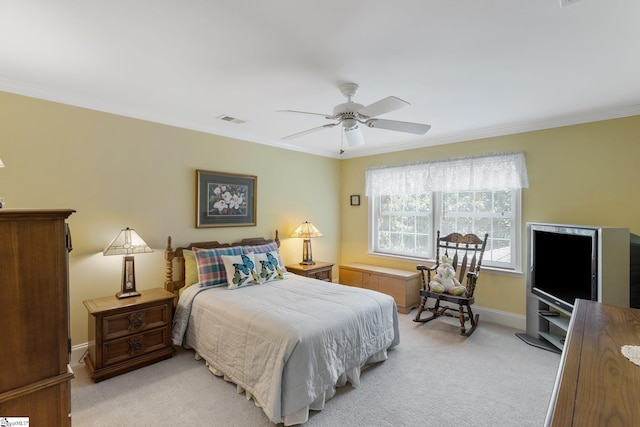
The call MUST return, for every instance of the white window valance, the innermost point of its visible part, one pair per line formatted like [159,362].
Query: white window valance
[486,172]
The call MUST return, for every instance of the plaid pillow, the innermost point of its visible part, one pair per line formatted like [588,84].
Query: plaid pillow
[211,269]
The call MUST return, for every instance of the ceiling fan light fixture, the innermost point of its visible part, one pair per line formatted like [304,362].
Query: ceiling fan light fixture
[354,136]
[349,123]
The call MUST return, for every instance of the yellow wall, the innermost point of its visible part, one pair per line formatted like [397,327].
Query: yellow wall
[585,174]
[119,172]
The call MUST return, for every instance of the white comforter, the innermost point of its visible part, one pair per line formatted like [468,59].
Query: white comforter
[288,342]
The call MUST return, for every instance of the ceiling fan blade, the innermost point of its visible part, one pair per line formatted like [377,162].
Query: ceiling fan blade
[328,116]
[386,105]
[354,136]
[304,132]
[416,128]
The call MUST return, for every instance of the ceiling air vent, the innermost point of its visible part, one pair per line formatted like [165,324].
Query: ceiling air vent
[230,119]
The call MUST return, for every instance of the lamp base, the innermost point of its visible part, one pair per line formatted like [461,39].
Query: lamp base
[128,289]
[307,257]
[121,295]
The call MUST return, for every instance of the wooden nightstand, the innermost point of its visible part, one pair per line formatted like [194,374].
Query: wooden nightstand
[127,334]
[320,270]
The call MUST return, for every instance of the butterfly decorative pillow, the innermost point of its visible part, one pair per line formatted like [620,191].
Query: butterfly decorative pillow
[268,267]
[240,270]
[263,249]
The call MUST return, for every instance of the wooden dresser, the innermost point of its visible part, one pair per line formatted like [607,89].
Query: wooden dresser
[596,384]
[34,298]
[402,285]
[129,333]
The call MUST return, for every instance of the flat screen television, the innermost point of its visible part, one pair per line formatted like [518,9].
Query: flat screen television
[563,264]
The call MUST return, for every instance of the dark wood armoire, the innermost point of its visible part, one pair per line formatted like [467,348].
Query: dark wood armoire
[34,311]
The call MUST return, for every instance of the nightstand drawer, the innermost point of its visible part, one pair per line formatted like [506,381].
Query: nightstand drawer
[322,275]
[132,322]
[126,348]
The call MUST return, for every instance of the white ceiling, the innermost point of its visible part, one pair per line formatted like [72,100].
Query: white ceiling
[469,68]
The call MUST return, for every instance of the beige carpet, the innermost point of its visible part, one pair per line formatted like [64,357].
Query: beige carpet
[494,379]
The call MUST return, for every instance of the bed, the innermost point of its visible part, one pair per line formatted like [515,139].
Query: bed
[286,341]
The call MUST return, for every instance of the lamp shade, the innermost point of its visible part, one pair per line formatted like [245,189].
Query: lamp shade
[306,230]
[1,164]
[127,242]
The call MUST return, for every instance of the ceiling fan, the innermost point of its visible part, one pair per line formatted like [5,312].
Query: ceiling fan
[351,114]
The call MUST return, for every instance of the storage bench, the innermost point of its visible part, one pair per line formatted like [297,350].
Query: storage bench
[402,285]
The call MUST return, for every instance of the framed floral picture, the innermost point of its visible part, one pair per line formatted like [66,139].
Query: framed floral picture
[225,199]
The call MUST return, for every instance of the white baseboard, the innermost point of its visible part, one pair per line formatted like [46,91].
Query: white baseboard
[77,354]
[511,320]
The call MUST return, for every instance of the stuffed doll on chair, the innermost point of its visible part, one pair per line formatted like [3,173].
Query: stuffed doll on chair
[445,279]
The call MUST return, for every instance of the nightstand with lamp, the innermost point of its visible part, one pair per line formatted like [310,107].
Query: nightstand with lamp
[308,267]
[133,328]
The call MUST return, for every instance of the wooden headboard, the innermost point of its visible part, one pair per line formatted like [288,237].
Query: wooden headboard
[174,259]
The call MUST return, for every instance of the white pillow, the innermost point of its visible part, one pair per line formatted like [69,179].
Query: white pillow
[268,267]
[241,270]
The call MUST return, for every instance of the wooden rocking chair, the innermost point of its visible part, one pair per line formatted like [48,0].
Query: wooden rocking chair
[471,247]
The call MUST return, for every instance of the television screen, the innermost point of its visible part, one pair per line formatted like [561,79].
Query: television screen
[563,265]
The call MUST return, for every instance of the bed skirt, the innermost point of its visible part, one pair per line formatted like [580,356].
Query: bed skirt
[351,376]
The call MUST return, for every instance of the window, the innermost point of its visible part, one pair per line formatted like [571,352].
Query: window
[409,203]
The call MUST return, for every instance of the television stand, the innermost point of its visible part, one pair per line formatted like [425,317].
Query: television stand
[538,342]
[551,326]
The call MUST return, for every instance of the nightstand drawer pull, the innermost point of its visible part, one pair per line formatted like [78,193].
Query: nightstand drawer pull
[323,275]
[135,345]
[135,321]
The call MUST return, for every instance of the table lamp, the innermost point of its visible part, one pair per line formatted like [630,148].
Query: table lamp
[127,243]
[306,230]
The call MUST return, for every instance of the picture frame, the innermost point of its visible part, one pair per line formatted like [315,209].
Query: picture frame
[355,200]
[128,278]
[225,199]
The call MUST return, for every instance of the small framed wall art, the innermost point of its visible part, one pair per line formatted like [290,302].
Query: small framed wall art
[355,200]
[225,199]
